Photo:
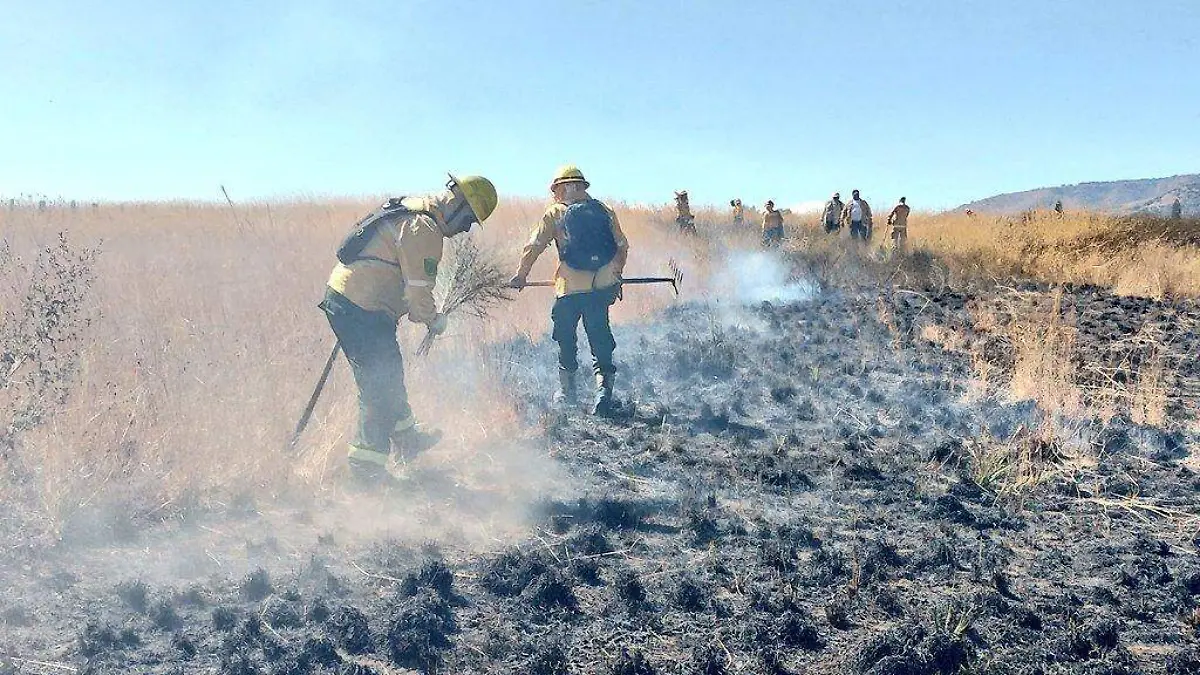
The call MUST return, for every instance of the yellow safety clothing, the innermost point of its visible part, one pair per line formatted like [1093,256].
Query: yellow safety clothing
[898,218]
[568,281]
[772,220]
[400,264]
[681,205]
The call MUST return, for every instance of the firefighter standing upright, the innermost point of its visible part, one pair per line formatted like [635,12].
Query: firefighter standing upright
[832,214]
[683,213]
[772,225]
[739,213]
[898,219]
[592,251]
[386,269]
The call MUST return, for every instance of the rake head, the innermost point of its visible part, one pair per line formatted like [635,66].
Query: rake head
[676,275]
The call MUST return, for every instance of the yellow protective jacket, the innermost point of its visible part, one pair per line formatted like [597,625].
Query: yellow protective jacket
[401,264]
[568,281]
[772,220]
[866,212]
[682,208]
[898,218]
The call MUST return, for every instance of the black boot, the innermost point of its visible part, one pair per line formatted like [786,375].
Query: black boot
[606,401]
[413,441]
[566,388]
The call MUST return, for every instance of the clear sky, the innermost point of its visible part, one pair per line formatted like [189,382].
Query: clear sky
[940,100]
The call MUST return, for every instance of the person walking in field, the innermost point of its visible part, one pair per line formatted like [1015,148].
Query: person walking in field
[592,251]
[683,213]
[857,214]
[739,213]
[832,214]
[1058,207]
[898,219]
[772,225]
[386,269]
[1176,210]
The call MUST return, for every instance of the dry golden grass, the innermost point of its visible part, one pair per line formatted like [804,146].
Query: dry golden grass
[1142,256]
[207,341]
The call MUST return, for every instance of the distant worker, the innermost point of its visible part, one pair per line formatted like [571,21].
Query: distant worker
[832,214]
[739,213]
[1176,210]
[898,219]
[683,213]
[592,251]
[1058,207]
[386,269]
[772,225]
[857,214]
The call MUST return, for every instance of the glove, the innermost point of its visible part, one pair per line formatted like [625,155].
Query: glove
[439,325]
[517,281]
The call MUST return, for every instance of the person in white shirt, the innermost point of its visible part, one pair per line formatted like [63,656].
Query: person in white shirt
[857,214]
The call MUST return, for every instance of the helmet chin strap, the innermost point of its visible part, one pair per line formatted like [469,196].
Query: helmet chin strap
[456,216]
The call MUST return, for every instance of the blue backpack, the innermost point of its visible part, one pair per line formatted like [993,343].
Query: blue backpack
[588,243]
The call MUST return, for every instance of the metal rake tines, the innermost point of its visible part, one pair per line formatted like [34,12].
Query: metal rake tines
[676,274]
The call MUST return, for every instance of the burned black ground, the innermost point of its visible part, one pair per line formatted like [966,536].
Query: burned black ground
[792,489]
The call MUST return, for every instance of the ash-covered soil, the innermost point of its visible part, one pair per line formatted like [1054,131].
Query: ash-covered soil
[805,488]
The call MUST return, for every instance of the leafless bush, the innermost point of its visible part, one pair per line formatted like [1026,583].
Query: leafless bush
[46,319]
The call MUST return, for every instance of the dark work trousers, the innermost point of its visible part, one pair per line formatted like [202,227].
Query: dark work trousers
[772,236]
[592,308]
[368,340]
[859,230]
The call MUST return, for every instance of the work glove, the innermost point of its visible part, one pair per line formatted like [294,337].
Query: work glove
[438,325]
[517,282]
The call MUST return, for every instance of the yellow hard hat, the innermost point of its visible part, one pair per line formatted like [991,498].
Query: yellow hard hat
[479,193]
[569,173]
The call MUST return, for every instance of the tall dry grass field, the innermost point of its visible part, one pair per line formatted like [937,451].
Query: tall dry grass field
[201,339]
[205,342]
[1134,255]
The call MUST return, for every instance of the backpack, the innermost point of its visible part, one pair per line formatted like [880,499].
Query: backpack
[352,246]
[588,243]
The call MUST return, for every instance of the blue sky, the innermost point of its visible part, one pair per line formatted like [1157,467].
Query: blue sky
[939,100]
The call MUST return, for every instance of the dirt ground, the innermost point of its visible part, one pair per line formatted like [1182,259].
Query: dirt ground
[809,486]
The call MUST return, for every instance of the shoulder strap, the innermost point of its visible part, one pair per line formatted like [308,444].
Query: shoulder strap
[391,208]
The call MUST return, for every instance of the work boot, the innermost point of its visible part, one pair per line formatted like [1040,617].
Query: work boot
[606,402]
[368,466]
[414,440]
[566,388]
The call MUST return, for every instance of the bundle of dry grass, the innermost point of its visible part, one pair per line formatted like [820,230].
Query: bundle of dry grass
[473,285]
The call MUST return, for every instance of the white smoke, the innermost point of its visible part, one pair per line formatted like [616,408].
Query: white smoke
[753,277]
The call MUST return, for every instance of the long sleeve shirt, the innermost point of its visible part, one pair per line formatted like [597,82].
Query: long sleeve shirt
[568,281]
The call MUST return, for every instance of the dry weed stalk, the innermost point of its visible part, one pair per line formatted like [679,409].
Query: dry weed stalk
[475,285]
[1010,469]
[1044,360]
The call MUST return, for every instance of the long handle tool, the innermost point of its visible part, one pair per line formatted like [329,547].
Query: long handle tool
[316,395]
[675,279]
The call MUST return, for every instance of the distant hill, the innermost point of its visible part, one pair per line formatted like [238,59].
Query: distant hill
[1153,195]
